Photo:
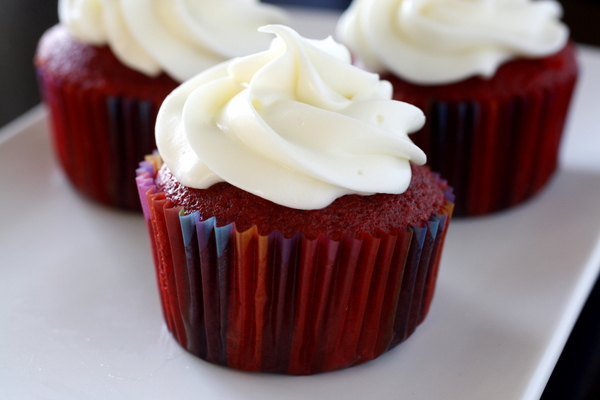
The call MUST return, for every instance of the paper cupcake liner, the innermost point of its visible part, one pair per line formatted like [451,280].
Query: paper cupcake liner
[495,150]
[99,137]
[287,305]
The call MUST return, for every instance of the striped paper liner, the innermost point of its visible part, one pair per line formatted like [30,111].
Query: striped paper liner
[99,137]
[287,305]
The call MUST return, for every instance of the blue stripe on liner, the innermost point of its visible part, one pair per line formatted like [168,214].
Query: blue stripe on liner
[419,235]
[433,225]
[188,231]
[222,236]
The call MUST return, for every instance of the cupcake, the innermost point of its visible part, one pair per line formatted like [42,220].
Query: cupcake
[293,225]
[494,79]
[105,69]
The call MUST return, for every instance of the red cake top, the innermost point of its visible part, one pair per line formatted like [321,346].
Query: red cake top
[350,214]
[514,76]
[67,59]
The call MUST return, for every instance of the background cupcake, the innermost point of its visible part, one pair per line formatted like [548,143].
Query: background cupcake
[105,69]
[493,77]
[290,232]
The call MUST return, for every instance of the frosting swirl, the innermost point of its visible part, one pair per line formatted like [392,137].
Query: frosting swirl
[297,124]
[444,41]
[179,37]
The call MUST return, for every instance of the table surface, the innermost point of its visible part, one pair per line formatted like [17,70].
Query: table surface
[80,317]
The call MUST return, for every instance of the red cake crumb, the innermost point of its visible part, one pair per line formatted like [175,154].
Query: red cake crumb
[350,214]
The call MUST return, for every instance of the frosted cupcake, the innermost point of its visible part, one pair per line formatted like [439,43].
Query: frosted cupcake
[494,78]
[293,226]
[108,65]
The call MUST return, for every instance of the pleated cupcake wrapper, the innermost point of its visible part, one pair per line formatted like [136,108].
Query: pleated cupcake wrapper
[287,305]
[496,152]
[99,139]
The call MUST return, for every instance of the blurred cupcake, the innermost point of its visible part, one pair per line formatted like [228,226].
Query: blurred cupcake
[290,232]
[494,78]
[106,68]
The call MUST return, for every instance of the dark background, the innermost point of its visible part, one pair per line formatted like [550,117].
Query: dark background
[22,22]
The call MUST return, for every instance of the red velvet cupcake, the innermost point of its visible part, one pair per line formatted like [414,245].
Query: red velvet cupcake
[494,79]
[290,232]
[102,114]
[103,82]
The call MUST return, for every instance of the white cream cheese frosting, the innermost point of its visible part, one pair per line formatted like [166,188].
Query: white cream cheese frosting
[445,41]
[179,37]
[297,124]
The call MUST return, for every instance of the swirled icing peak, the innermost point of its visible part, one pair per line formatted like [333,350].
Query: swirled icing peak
[179,37]
[297,124]
[444,41]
